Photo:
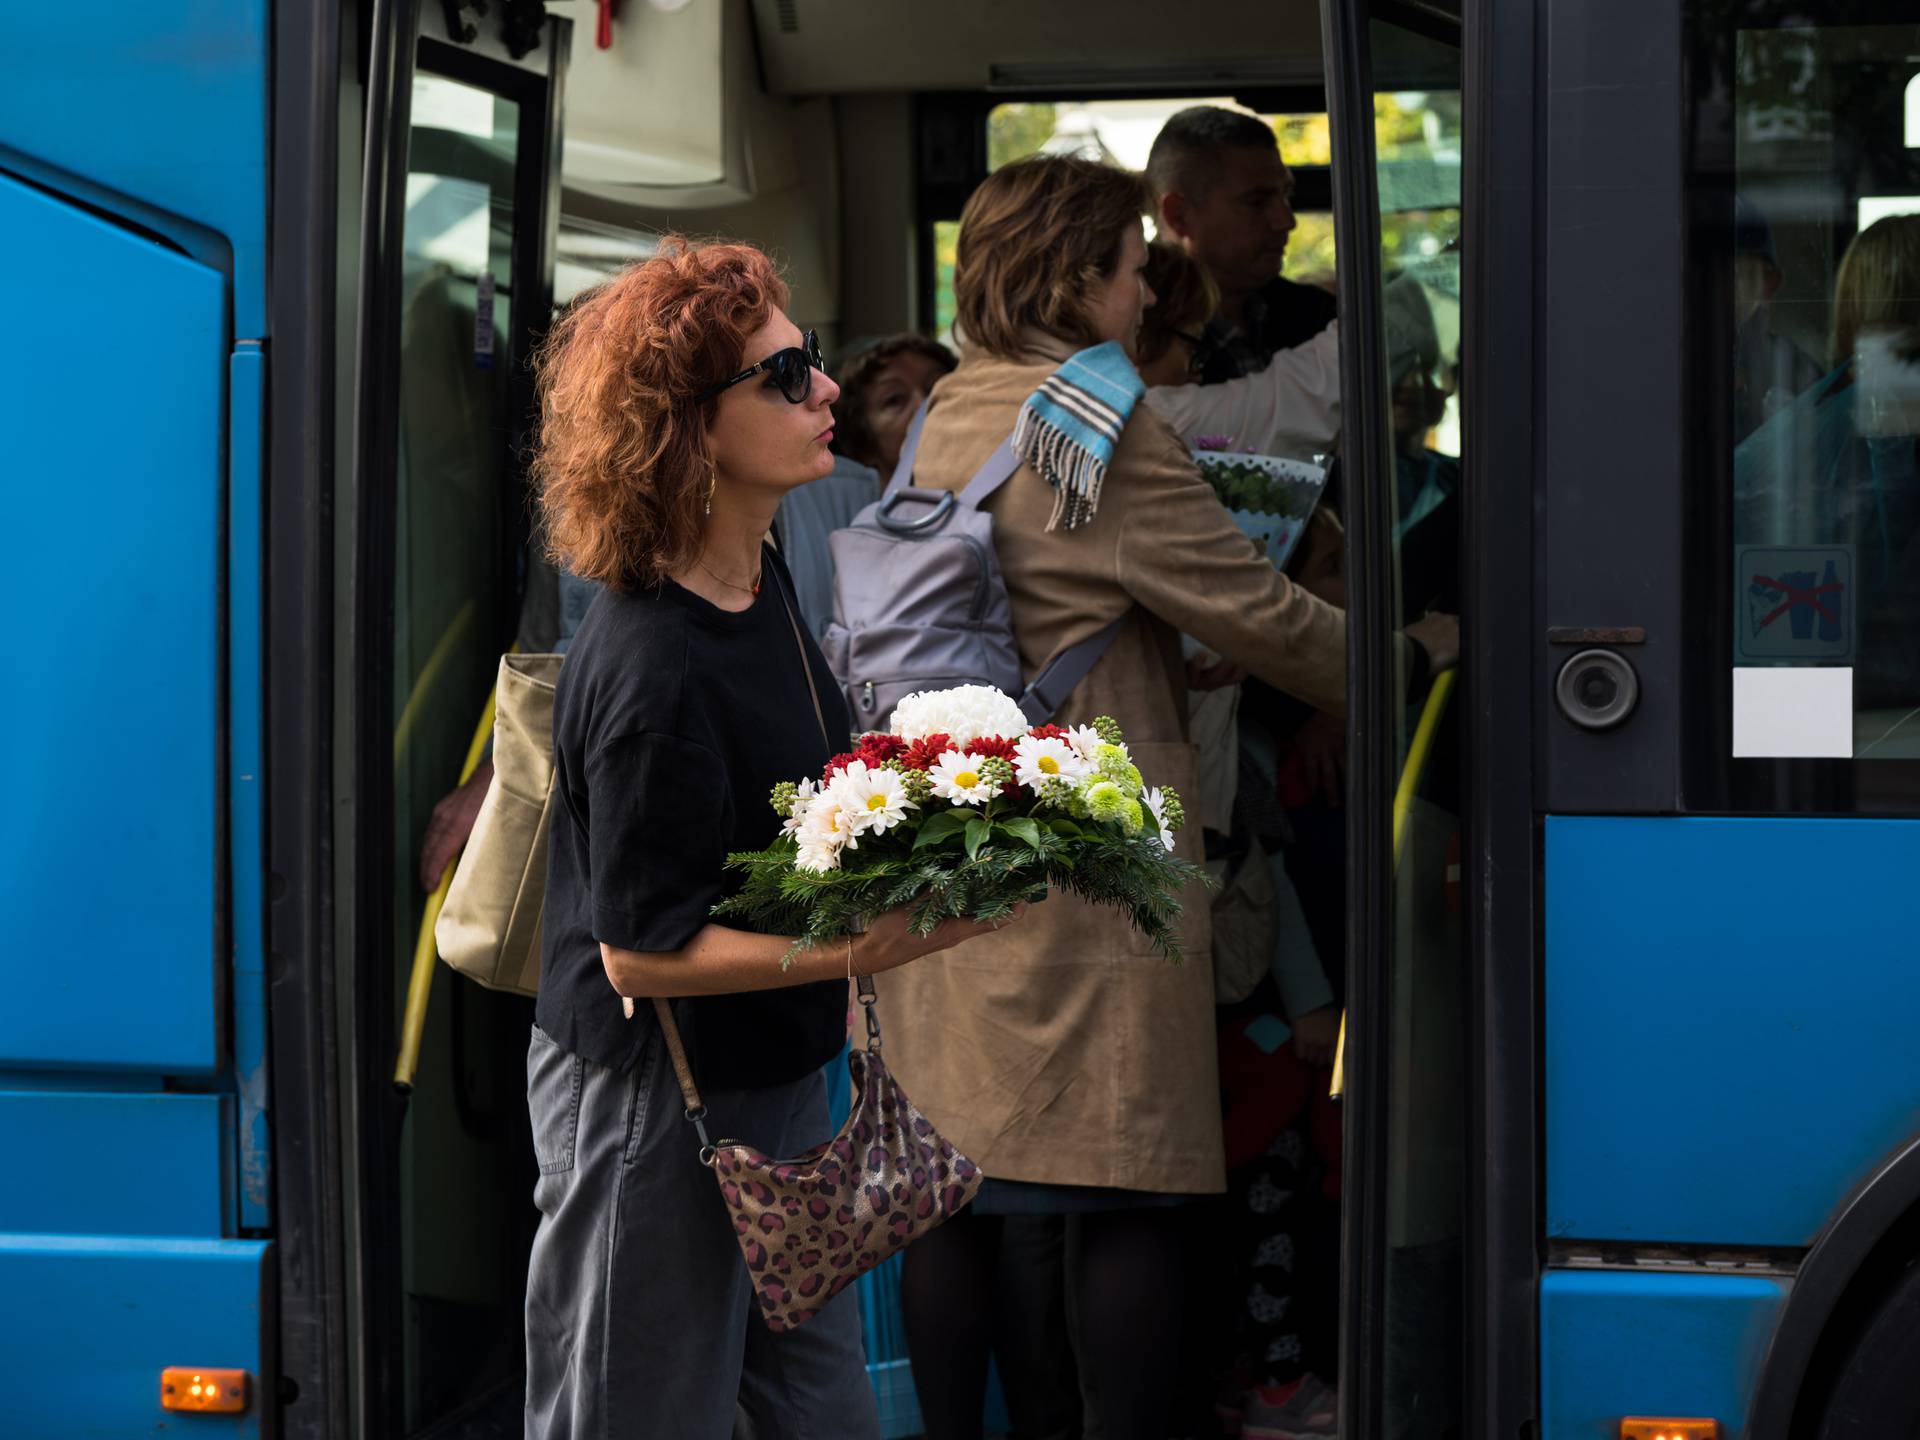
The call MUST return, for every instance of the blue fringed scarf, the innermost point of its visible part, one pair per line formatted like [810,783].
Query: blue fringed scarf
[1069,426]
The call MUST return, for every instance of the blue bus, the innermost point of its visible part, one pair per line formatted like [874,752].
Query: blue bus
[1632,1119]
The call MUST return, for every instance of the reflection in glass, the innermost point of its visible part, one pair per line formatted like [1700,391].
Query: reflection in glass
[1826,394]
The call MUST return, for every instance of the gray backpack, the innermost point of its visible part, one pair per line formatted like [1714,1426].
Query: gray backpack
[919,603]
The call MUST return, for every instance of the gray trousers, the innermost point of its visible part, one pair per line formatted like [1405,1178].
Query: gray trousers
[641,1324]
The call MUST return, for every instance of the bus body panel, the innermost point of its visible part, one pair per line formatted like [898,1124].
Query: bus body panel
[1728,1023]
[1615,1343]
[108,863]
[98,1318]
[105,1164]
[246,776]
[162,104]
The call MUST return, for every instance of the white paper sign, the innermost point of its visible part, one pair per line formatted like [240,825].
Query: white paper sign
[1793,712]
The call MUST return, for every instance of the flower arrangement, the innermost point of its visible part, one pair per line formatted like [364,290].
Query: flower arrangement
[963,810]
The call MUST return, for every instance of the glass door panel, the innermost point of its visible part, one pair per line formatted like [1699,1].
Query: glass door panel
[1417,134]
[1398,139]
[457,491]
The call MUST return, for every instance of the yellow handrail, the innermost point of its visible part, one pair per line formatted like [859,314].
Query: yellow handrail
[1410,775]
[420,983]
[423,683]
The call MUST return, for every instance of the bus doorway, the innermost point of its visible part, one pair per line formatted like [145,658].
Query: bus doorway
[853,173]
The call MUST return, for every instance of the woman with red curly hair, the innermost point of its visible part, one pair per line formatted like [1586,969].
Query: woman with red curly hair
[678,405]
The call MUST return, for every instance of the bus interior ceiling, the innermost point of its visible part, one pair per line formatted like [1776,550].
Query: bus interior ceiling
[819,131]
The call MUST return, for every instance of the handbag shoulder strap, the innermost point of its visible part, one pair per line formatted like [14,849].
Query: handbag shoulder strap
[806,662]
[677,1051]
[669,1028]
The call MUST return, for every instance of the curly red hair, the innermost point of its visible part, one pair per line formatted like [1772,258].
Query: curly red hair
[622,466]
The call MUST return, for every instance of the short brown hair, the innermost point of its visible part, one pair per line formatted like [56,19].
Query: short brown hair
[852,436]
[621,466]
[1035,239]
[1184,299]
[1878,284]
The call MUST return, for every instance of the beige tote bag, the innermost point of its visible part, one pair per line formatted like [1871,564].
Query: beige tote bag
[489,928]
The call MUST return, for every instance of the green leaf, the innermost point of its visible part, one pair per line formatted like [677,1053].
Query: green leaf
[947,823]
[977,832]
[1022,828]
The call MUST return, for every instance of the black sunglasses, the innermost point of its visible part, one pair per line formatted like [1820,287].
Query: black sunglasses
[790,369]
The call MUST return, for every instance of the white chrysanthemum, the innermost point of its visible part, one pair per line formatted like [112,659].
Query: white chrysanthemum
[957,777]
[817,856]
[963,714]
[829,820]
[1083,738]
[1038,760]
[803,794]
[875,800]
[1156,804]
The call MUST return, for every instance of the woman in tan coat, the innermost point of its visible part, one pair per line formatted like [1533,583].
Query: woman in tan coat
[1074,1064]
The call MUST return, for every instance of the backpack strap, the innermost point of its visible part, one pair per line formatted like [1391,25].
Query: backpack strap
[991,476]
[903,471]
[987,479]
[1060,675]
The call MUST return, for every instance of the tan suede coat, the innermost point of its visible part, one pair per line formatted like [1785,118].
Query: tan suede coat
[1067,1050]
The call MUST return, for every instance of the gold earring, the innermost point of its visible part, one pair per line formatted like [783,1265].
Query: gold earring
[713,481]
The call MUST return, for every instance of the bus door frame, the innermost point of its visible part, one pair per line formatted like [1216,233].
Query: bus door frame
[314,178]
[397,49]
[1500,1244]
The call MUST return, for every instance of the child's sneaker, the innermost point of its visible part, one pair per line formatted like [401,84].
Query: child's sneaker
[1307,1409]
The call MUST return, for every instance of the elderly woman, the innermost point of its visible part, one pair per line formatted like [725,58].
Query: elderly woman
[678,405]
[881,386]
[1072,1062]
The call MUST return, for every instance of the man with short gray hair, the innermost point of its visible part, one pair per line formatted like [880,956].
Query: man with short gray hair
[1224,193]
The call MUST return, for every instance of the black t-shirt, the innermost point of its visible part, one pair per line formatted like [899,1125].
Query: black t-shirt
[673,721]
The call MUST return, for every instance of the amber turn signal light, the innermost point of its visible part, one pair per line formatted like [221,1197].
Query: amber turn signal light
[1640,1428]
[211,1392]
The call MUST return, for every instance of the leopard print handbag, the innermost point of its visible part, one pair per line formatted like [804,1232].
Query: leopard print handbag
[811,1226]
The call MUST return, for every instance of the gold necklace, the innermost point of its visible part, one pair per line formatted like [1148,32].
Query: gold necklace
[753,589]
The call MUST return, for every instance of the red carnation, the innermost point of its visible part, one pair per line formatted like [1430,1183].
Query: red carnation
[992,745]
[1048,732]
[877,749]
[921,754]
[835,766]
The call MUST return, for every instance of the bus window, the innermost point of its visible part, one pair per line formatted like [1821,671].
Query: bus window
[1122,131]
[1815,402]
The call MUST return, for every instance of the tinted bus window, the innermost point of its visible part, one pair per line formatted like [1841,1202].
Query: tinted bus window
[1808,181]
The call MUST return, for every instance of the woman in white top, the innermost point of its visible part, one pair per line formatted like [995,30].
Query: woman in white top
[1291,408]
